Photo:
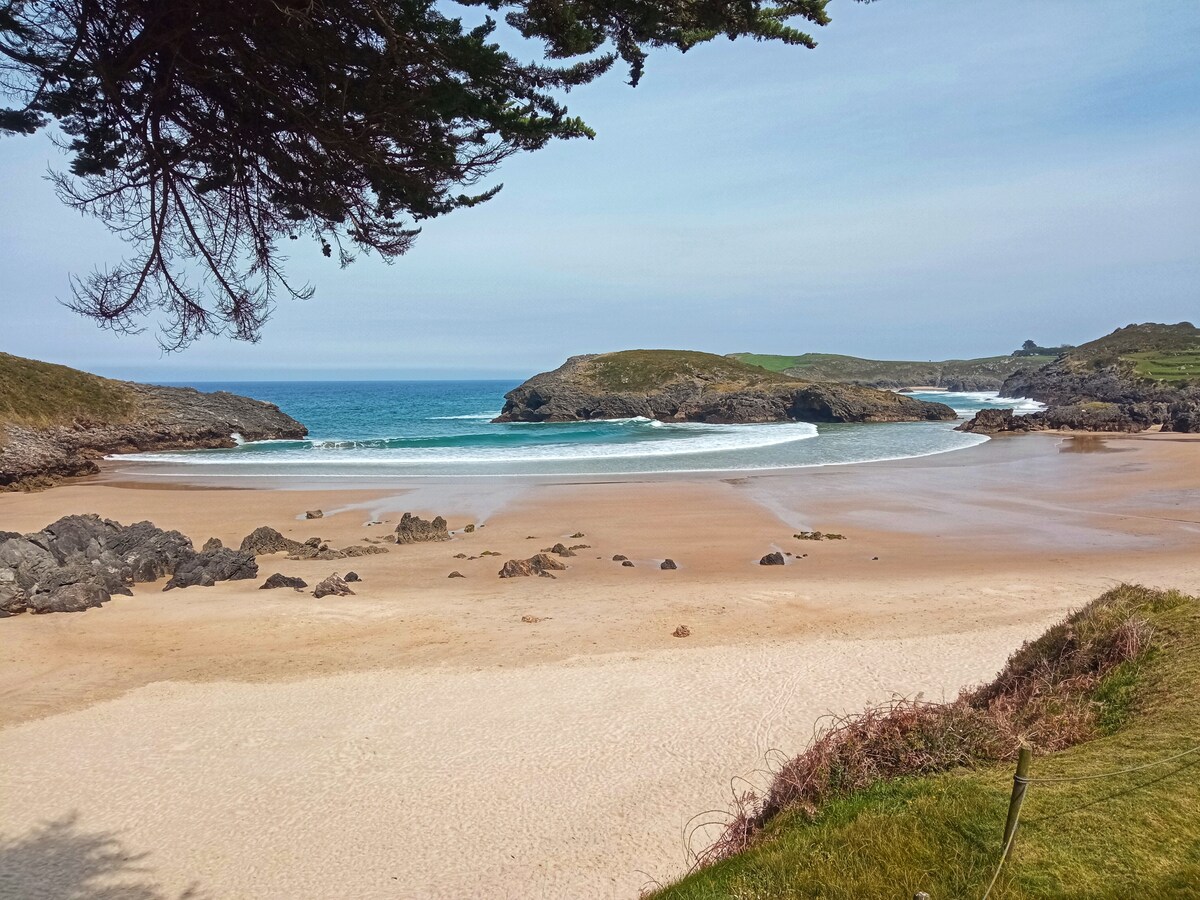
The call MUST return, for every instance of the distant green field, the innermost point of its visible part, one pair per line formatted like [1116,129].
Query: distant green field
[1180,366]
[892,373]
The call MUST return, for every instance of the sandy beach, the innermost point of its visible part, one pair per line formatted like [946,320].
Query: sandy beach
[420,740]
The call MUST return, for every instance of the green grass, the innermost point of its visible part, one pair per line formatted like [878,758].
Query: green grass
[890,373]
[770,362]
[645,370]
[1145,344]
[1134,835]
[1183,365]
[37,393]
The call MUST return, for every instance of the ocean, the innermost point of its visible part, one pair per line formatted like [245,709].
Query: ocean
[380,429]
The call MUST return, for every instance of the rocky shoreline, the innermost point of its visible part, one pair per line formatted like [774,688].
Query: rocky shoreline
[35,455]
[684,386]
[1098,387]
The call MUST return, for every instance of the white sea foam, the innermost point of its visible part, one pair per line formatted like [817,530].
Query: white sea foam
[969,401]
[473,417]
[683,439]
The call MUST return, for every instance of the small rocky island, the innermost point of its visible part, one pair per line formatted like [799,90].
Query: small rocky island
[55,421]
[688,386]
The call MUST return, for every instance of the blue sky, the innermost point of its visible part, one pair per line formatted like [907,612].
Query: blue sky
[933,180]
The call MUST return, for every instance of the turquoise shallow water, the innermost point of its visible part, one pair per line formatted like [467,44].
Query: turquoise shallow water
[443,428]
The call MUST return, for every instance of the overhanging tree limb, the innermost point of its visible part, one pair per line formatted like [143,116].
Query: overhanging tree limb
[204,132]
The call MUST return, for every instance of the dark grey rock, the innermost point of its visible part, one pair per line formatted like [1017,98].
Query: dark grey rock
[13,599]
[150,552]
[69,598]
[668,564]
[772,559]
[281,581]
[206,569]
[213,543]
[352,576]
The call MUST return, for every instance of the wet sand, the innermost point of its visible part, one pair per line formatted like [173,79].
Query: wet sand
[420,740]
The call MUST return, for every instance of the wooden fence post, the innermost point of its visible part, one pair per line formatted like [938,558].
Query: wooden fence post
[1018,796]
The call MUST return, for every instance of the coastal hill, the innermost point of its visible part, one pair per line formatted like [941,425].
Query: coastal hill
[984,374]
[55,421]
[1138,377]
[1137,363]
[688,386]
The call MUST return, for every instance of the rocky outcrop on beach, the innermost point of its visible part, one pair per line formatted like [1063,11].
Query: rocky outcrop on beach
[1135,378]
[56,422]
[207,568]
[265,539]
[414,530]
[79,562]
[334,585]
[996,421]
[540,564]
[279,580]
[1091,416]
[686,386]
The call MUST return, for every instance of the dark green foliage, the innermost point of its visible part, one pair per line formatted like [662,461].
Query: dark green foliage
[206,131]
[1032,348]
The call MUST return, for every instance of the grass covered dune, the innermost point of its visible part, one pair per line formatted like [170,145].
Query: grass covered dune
[914,797]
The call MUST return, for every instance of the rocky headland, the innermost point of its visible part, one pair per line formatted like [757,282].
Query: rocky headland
[1137,378]
[55,421]
[688,386]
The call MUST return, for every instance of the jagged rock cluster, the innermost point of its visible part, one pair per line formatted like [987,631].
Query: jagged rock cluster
[264,539]
[541,564]
[81,561]
[414,530]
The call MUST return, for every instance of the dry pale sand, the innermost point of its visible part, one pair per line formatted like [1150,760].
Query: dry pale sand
[419,740]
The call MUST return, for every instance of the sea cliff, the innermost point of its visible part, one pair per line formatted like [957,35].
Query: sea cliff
[55,421]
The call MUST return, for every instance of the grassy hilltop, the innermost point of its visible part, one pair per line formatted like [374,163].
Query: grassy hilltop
[646,370]
[34,393]
[916,801]
[1157,352]
[965,374]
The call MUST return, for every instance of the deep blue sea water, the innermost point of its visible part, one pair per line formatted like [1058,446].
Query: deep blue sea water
[442,428]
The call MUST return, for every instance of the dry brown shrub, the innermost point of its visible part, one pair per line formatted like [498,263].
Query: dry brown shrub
[1042,696]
